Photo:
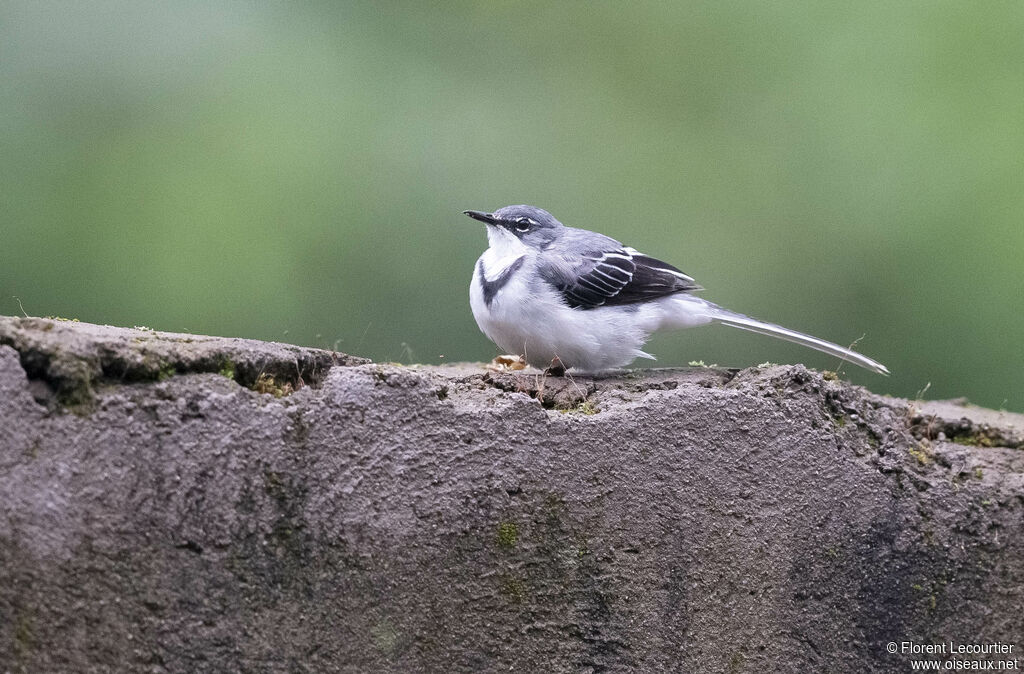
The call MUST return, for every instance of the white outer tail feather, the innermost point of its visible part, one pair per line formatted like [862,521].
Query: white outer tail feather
[753,325]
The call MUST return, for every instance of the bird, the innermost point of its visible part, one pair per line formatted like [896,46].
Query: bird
[568,298]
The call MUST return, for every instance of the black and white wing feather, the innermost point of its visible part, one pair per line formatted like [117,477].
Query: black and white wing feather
[615,277]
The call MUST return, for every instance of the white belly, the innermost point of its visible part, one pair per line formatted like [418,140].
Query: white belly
[528,317]
[531,320]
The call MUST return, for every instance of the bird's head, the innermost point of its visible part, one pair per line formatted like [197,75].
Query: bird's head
[533,226]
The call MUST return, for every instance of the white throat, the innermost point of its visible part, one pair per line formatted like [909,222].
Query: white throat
[505,248]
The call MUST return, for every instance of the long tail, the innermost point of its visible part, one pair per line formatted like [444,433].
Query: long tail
[752,324]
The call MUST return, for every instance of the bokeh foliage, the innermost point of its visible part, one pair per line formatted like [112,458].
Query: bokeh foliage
[296,172]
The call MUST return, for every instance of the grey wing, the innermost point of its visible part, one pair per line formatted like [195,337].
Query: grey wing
[614,277]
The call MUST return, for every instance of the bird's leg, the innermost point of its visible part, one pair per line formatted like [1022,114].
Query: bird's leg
[555,369]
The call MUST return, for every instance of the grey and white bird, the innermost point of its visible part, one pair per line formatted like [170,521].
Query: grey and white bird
[564,298]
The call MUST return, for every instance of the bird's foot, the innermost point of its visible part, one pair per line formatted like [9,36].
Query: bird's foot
[556,368]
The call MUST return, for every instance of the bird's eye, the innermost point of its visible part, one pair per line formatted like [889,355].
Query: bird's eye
[523,224]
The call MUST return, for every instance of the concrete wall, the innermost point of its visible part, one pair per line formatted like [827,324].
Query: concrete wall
[182,503]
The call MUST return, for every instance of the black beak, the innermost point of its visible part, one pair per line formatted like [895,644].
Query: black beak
[482,217]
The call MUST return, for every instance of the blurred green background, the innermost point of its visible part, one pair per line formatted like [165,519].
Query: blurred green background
[296,172]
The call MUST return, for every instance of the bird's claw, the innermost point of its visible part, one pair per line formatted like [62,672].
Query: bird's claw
[556,368]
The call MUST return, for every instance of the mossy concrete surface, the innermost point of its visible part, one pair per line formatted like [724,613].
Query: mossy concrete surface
[68,361]
[164,511]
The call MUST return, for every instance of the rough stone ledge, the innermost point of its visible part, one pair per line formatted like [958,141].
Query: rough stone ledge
[69,360]
[186,503]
